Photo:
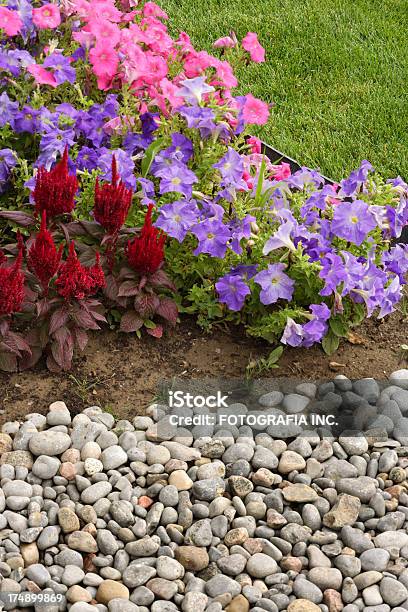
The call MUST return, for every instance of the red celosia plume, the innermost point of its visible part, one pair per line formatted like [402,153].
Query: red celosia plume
[74,281]
[112,202]
[145,253]
[55,189]
[43,257]
[11,286]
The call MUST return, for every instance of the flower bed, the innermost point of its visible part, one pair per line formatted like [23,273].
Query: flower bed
[132,192]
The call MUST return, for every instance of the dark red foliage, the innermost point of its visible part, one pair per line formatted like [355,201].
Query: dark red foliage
[74,281]
[145,253]
[112,202]
[43,257]
[55,189]
[11,287]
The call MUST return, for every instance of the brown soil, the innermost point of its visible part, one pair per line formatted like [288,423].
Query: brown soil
[121,373]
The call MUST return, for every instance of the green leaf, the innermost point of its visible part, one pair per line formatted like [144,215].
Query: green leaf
[339,327]
[258,193]
[149,324]
[275,355]
[330,343]
[359,314]
[150,154]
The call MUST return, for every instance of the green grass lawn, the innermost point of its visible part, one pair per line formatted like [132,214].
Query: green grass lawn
[337,71]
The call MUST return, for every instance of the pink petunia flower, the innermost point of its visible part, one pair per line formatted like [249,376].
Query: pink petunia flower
[225,42]
[282,171]
[41,75]
[197,62]
[84,38]
[104,10]
[82,8]
[105,32]
[255,144]
[254,111]
[151,9]
[225,75]
[10,21]
[185,42]
[104,60]
[47,17]
[169,90]
[251,44]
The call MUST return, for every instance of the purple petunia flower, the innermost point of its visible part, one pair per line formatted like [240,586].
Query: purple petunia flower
[353,183]
[150,123]
[275,284]
[315,329]
[199,117]
[79,54]
[91,127]
[26,120]
[281,239]
[161,163]
[240,228]
[192,90]
[303,177]
[211,210]
[8,110]
[65,109]
[61,68]
[320,311]
[333,273]
[87,159]
[177,218]
[245,271]
[53,143]
[392,295]
[317,201]
[178,178]
[9,63]
[232,291]
[8,160]
[396,260]
[352,221]
[292,334]
[181,148]
[213,237]
[229,193]
[125,166]
[316,247]
[397,219]
[313,332]
[136,142]
[231,167]
[398,182]
[147,190]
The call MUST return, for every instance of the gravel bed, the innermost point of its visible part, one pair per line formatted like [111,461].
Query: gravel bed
[133,516]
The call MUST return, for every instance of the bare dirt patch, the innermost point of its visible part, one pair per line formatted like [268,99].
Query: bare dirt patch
[122,374]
